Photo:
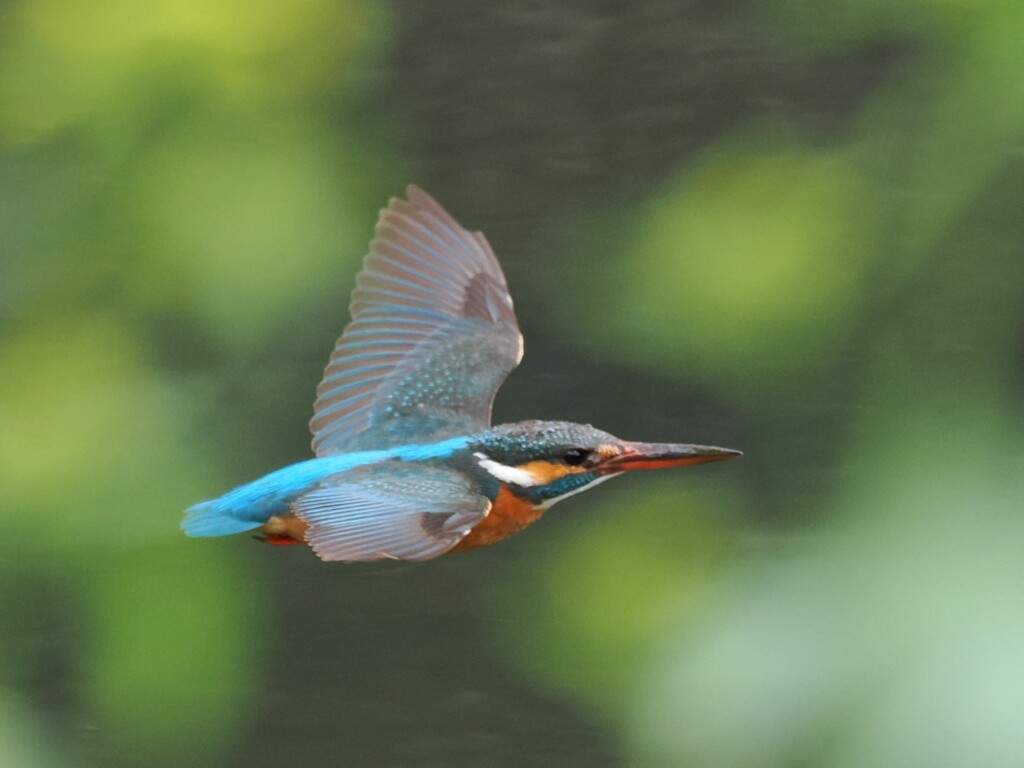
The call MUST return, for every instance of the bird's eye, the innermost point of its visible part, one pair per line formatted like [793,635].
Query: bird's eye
[575,456]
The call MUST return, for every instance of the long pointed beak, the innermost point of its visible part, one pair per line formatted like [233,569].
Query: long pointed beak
[660,455]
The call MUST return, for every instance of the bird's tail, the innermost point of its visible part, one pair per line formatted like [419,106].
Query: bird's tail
[215,518]
[250,506]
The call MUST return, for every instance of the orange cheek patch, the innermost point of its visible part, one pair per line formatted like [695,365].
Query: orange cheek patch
[546,472]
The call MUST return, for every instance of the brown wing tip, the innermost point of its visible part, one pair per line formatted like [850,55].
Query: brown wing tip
[421,199]
[417,200]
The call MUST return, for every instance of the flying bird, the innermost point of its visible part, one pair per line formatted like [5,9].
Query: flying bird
[408,466]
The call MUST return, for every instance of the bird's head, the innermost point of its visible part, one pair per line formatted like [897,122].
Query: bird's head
[545,461]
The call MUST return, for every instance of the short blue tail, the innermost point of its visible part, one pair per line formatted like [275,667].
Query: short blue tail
[214,518]
[249,506]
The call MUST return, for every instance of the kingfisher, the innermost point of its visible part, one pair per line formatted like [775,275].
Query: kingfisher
[408,466]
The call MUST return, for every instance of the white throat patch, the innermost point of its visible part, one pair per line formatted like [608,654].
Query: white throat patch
[505,473]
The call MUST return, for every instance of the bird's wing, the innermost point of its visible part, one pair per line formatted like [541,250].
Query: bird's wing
[433,335]
[389,511]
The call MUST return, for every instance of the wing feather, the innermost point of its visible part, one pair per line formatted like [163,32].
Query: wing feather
[389,511]
[432,337]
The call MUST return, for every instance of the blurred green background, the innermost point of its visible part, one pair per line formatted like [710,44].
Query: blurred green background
[792,228]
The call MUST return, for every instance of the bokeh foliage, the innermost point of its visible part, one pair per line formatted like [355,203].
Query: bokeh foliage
[792,228]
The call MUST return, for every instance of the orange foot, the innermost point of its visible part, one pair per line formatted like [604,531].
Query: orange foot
[278,540]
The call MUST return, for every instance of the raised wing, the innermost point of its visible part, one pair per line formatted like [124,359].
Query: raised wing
[390,511]
[433,335]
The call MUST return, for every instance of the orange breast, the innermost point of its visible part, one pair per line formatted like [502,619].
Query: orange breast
[508,516]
